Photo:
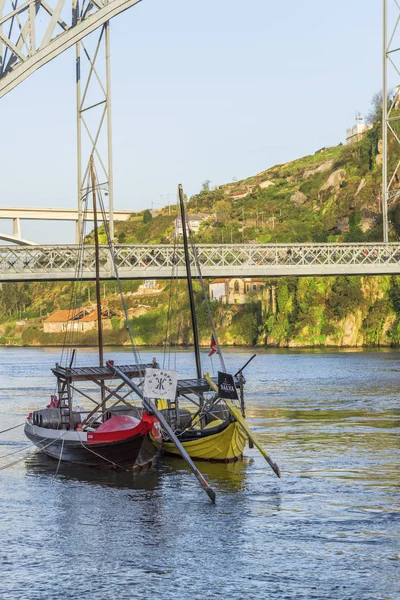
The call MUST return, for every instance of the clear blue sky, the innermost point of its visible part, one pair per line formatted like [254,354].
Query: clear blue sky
[201,90]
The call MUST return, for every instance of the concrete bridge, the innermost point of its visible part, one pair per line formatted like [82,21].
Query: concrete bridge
[16,215]
[64,262]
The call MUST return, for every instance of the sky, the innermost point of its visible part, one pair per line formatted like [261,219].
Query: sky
[206,90]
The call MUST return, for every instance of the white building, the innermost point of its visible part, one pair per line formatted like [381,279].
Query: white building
[355,133]
[235,291]
[194,222]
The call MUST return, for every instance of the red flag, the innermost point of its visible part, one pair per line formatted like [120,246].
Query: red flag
[213,345]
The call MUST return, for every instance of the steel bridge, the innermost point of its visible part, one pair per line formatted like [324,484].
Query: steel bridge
[64,263]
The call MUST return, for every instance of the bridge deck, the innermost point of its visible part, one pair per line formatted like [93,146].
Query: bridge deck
[58,263]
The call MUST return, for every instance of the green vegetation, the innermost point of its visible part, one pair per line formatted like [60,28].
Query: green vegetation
[330,196]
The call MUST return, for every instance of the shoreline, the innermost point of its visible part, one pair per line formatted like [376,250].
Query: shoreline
[205,347]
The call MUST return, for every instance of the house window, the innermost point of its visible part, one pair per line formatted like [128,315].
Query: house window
[254,287]
[236,286]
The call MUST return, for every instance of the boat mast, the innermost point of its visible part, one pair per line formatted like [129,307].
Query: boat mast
[97,259]
[189,283]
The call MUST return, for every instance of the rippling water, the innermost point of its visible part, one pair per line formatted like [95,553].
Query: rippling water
[329,529]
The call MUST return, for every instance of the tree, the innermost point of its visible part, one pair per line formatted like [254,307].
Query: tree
[375,114]
[222,211]
[147,216]
[205,186]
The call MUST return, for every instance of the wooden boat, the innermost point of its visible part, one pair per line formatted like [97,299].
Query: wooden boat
[220,442]
[120,436]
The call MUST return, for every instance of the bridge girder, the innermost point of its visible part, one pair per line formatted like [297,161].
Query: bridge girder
[61,263]
[26,43]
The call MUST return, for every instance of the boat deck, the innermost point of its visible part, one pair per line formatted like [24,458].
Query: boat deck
[100,373]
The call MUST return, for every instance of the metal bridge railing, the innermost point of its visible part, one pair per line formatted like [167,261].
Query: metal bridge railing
[141,261]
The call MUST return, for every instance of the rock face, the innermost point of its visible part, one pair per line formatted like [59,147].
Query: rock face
[368,220]
[334,180]
[298,198]
[342,224]
[379,156]
[360,187]
[266,184]
[326,166]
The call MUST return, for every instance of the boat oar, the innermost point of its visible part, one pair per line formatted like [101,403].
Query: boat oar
[245,365]
[147,403]
[202,480]
[235,412]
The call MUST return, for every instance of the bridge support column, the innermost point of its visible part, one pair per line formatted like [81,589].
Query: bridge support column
[17,227]
[77,232]
[94,135]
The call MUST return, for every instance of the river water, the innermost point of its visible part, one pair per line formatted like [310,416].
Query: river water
[329,529]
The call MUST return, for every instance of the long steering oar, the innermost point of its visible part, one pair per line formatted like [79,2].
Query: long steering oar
[152,408]
[235,412]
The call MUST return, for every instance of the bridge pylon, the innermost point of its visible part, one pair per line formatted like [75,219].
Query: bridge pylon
[390,109]
[94,128]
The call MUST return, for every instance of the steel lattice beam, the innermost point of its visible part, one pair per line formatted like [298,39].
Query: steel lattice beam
[57,263]
[34,32]
[390,109]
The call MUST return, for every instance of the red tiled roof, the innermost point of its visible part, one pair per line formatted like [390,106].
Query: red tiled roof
[92,317]
[62,316]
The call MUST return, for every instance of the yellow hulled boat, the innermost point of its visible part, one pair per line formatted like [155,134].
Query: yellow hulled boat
[220,441]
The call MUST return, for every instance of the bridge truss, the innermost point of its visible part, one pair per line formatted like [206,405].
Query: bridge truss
[57,263]
[34,32]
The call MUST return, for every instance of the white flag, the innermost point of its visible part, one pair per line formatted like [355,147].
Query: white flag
[159,383]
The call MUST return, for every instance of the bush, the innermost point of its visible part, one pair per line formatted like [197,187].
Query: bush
[346,296]
[115,323]
[147,216]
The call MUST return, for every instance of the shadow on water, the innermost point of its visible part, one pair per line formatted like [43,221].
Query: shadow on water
[45,466]
[228,477]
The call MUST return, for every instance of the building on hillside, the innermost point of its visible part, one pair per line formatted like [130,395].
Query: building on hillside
[235,291]
[218,290]
[238,195]
[149,288]
[78,319]
[89,322]
[194,222]
[355,133]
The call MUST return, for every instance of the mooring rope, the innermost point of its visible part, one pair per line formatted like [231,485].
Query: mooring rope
[29,450]
[59,460]
[103,457]
[10,428]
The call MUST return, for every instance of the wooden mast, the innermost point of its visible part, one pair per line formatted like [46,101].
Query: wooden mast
[189,283]
[97,259]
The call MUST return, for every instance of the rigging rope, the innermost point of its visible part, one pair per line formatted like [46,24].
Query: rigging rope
[110,244]
[198,267]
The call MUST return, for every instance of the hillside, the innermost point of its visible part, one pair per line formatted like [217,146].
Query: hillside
[332,195]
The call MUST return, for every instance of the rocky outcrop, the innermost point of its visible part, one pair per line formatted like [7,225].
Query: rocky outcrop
[266,184]
[334,180]
[298,198]
[342,224]
[379,156]
[326,166]
[368,220]
[360,187]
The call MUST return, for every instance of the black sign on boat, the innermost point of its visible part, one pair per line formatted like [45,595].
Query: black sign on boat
[226,386]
